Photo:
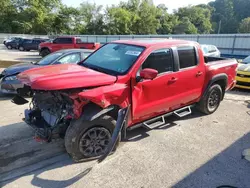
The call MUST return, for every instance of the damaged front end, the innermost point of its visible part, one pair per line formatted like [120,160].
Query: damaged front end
[49,113]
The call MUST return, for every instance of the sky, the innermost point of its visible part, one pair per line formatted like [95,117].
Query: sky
[171,4]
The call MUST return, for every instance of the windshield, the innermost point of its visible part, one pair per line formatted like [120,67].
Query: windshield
[49,59]
[246,60]
[113,58]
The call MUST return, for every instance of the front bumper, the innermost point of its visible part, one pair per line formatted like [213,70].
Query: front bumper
[243,80]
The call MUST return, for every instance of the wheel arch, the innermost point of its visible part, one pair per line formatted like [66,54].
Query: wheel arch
[220,79]
[45,48]
[92,111]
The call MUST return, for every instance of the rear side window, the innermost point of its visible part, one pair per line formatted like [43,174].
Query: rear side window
[187,57]
[78,41]
[160,60]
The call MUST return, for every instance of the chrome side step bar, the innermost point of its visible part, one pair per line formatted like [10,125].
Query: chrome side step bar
[183,112]
[160,120]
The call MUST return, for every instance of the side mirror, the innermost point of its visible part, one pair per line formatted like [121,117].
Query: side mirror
[148,74]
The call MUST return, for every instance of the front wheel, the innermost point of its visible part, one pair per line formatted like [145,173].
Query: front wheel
[44,52]
[211,101]
[87,140]
[9,47]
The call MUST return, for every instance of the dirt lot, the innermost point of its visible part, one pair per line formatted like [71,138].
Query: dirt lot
[198,151]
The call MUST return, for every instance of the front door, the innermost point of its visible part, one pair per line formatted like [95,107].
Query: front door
[154,97]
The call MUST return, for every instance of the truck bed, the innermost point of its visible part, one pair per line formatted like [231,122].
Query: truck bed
[209,59]
[221,66]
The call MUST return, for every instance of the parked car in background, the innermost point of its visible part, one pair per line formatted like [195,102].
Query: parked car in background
[243,74]
[13,43]
[59,43]
[121,86]
[30,44]
[8,80]
[210,50]
[10,39]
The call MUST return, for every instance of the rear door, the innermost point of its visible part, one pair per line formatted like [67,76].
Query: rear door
[191,75]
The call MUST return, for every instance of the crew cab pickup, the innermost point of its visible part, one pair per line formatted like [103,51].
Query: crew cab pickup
[60,43]
[121,86]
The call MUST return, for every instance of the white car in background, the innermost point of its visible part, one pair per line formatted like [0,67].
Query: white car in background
[210,50]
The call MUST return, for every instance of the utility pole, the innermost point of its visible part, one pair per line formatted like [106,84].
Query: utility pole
[219,27]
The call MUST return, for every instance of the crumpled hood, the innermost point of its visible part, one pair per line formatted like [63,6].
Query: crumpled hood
[244,67]
[65,76]
[20,67]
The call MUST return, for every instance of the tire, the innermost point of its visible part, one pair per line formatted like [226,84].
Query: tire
[78,132]
[21,48]
[44,52]
[211,101]
[9,47]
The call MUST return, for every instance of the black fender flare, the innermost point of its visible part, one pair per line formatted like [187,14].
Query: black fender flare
[45,48]
[219,77]
[92,111]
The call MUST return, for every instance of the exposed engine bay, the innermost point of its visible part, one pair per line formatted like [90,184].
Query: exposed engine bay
[50,113]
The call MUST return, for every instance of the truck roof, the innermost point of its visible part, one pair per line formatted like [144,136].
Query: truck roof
[147,42]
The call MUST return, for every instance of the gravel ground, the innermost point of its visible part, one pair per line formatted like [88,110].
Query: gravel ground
[197,151]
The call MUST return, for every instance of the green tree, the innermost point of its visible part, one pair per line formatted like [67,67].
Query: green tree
[185,27]
[224,18]
[119,21]
[167,21]
[198,16]
[245,26]
[92,18]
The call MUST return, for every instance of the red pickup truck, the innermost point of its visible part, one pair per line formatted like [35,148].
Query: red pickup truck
[121,86]
[65,43]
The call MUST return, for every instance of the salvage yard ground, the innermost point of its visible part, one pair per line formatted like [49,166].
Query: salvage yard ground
[198,151]
[16,55]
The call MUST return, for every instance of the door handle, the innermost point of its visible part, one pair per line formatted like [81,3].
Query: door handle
[199,73]
[173,79]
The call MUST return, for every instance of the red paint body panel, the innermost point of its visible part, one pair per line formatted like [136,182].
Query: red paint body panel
[55,47]
[115,94]
[64,76]
[148,98]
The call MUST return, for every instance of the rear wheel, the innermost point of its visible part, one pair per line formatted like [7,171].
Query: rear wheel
[44,52]
[211,101]
[87,140]
[9,47]
[21,48]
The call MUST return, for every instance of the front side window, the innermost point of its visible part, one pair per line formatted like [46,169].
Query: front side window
[160,60]
[71,58]
[114,58]
[63,41]
[187,57]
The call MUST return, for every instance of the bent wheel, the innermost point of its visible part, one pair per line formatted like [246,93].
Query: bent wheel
[94,142]
[87,140]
